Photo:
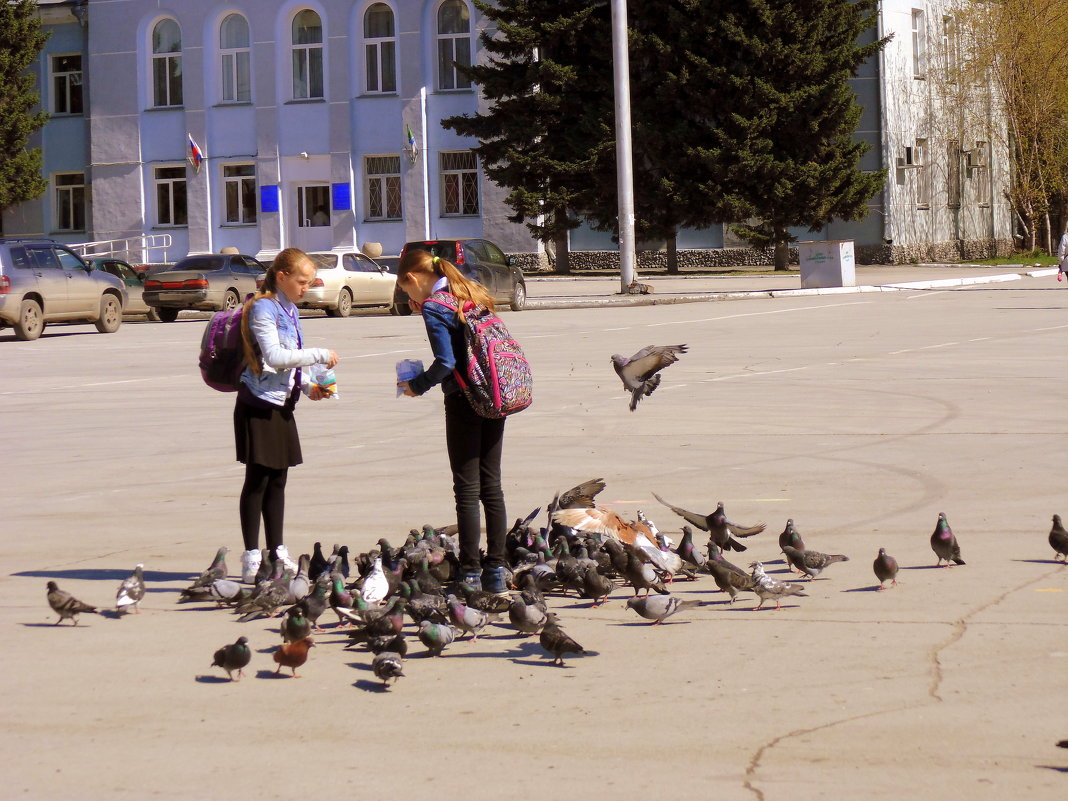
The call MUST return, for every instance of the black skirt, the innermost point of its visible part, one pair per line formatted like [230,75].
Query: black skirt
[266,434]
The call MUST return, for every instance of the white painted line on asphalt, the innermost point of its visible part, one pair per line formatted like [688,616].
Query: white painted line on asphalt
[1051,328]
[759,314]
[748,374]
[979,339]
[928,294]
[940,345]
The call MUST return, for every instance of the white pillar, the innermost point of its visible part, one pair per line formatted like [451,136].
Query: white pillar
[624,174]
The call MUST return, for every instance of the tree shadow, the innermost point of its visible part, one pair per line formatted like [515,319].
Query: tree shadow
[107,574]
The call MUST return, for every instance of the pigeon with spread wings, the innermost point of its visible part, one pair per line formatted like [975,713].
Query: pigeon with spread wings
[717,525]
[640,373]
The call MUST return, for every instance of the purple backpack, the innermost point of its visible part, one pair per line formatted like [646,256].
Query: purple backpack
[222,353]
[497,379]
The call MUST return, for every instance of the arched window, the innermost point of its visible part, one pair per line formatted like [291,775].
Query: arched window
[454,44]
[380,39]
[307,55]
[166,63]
[234,50]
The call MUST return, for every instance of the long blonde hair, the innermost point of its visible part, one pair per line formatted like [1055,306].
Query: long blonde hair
[287,261]
[421,261]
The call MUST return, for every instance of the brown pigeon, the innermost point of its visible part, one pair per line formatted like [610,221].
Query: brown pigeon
[66,605]
[885,567]
[1058,539]
[292,655]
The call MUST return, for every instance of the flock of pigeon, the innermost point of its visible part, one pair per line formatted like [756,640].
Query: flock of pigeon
[585,550]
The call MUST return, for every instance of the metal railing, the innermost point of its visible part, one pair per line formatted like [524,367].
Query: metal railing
[134,249]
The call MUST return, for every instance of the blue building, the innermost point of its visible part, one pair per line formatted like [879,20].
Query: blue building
[302,112]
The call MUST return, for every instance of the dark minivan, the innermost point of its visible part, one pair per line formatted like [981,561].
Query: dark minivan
[478,259]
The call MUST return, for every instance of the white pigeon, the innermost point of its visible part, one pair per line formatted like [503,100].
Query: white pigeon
[131,591]
[767,587]
[665,561]
[375,586]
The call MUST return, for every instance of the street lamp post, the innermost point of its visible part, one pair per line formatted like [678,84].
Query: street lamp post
[624,173]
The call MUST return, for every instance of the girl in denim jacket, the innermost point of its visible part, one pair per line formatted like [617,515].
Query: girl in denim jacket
[264,428]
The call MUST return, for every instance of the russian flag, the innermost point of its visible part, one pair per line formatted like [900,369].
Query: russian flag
[196,155]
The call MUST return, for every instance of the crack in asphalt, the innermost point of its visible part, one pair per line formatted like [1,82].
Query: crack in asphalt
[960,628]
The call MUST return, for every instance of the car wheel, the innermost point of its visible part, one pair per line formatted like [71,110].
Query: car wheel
[230,300]
[344,302]
[519,296]
[153,315]
[110,315]
[400,309]
[167,314]
[31,321]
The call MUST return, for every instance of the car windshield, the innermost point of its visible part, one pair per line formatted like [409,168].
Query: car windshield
[443,250]
[322,260]
[200,263]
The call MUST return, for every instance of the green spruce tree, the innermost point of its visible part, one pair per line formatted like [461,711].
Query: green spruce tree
[788,115]
[547,85]
[21,41]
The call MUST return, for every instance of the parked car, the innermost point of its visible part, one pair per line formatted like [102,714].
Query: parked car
[478,259]
[131,278]
[207,282]
[347,279]
[43,282]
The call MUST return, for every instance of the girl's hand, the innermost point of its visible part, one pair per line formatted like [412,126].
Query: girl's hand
[407,390]
[417,308]
[332,361]
[317,393]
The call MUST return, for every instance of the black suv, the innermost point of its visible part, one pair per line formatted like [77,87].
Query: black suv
[479,260]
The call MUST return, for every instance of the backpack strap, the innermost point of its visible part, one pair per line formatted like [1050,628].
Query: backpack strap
[446,299]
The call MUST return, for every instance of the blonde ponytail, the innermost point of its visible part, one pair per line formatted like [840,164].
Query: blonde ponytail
[420,261]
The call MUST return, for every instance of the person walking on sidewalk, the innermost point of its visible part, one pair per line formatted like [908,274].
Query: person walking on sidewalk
[264,428]
[474,443]
[1062,255]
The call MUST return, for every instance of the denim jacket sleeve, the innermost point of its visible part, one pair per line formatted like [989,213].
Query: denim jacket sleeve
[277,356]
[441,328]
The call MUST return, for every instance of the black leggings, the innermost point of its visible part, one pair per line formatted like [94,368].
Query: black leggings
[475,445]
[264,493]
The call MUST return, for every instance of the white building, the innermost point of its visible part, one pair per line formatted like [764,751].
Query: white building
[302,109]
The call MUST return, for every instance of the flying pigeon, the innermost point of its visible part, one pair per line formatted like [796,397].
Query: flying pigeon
[944,544]
[233,657]
[436,636]
[580,497]
[66,605]
[292,655]
[658,607]
[555,641]
[388,666]
[640,373]
[767,587]
[717,525]
[811,563]
[885,567]
[131,591]
[1058,539]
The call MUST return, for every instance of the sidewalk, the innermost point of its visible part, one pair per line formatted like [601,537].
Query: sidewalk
[579,291]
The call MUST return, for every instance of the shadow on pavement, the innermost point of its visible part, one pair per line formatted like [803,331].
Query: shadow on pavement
[212,680]
[107,574]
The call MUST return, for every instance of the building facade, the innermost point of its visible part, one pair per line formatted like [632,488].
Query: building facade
[317,125]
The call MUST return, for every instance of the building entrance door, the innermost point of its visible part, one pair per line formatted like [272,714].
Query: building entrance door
[312,209]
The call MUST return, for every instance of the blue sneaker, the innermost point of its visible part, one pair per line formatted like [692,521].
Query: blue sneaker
[473,579]
[494,580]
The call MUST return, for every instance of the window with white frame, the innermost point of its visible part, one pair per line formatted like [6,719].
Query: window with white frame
[950,47]
[380,49]
[383,186]
[235,60]
[166,64]
[923,174]
[170,196]
[307,56]
[459,183]
[454,44]
[70,201]
[919,44]
[67,84]
[239,192]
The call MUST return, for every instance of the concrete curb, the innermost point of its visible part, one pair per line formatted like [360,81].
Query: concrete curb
[706,297]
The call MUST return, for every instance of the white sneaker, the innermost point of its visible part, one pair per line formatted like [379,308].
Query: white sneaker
[282,552]
[250,566]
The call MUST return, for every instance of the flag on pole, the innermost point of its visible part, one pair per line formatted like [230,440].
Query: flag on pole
[196,155]
[413,148]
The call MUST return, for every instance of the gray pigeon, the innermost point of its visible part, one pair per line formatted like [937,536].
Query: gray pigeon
[467,619]
[222,591]
[944,544]
[216,570]
[885,567]
[436,636]
[295,626]
[555,641]
[300,585]
[233,657]
[720,529]
[1058,539]
[640,373]
[641,575]
[526,618]
[131,591]
[791,536]
[658,607]
[388,666]
[596,586]
[767,587]
[731,581]
[580,497]
[811,563]
[66,605]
